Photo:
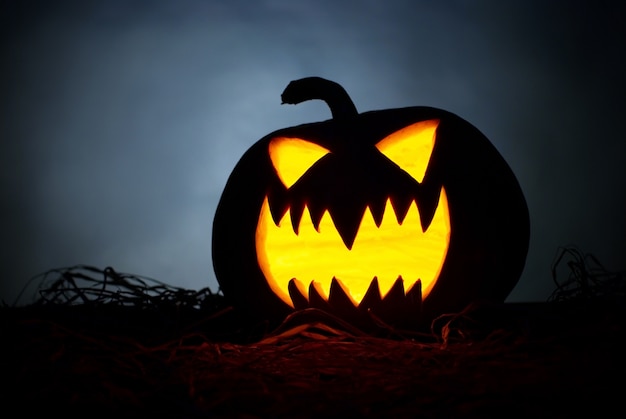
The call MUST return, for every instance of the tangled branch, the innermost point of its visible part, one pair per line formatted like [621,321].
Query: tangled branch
[587,277]
[83,284]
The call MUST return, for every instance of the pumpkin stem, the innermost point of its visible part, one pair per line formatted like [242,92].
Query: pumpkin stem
[335,96]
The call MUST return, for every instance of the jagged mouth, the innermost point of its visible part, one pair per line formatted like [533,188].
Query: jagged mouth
[386,243]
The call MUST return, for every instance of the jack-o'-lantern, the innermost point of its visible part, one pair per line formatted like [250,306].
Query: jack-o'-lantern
[402,213]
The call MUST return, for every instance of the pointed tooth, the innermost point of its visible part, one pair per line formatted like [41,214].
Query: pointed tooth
[401,204]
[297,298]
[347,220]
[396,293]
[337,297]
[316,300]
[371,299]
[414,295]
[316,211]
[377,208]
[296,210]
[377,203]
[278,206]
[427,200]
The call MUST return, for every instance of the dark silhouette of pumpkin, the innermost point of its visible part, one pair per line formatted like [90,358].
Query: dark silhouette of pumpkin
[401,213]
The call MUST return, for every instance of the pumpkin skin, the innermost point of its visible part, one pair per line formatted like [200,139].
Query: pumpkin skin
[487,212]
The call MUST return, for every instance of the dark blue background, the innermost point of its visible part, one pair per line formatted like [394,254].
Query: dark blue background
[121,120]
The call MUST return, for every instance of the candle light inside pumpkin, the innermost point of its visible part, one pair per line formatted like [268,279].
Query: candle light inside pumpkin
[388,251]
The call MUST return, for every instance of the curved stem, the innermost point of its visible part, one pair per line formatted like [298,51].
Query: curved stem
[335,96]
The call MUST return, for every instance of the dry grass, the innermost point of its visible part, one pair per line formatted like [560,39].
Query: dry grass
[198,358]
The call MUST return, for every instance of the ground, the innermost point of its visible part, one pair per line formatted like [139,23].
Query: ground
[553,359]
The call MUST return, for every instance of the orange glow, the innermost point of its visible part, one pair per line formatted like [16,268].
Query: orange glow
[292,157]
[411,147]
[387,252]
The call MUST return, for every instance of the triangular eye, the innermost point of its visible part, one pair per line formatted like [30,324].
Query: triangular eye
[292,157]
[411,147]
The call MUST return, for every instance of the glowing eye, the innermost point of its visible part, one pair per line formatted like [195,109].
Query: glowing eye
[411,147]
[292,157]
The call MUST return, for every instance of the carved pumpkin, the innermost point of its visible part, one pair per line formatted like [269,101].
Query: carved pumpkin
[406,213]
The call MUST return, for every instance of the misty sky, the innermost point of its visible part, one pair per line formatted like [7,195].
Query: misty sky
[121,120]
